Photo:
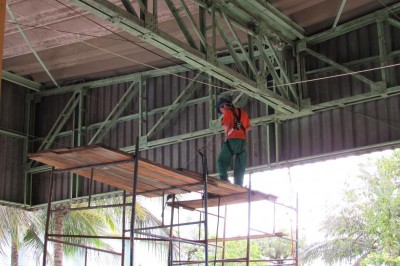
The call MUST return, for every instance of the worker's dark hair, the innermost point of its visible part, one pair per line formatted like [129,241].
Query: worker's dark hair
[220,102]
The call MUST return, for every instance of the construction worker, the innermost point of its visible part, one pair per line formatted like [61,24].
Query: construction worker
[236,124]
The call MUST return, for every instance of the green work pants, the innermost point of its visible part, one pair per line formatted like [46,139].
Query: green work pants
[233,148]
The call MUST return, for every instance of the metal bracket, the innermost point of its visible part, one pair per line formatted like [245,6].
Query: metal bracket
[115,19]
[260,79]
[143,142]
[211,57]
[150,22]
[378,87]
[301,46]
[305,104]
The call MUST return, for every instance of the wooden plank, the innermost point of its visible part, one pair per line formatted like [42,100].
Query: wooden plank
[153,178]
[225,200]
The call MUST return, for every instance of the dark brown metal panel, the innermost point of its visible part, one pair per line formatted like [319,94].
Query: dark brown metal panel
[11,178]
[12,107]
[353,127]
[12,110]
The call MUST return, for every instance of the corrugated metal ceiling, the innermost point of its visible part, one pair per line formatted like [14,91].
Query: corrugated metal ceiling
[49,25]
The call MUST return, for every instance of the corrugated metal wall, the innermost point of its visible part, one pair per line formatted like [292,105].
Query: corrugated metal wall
[12,109]
[326,132]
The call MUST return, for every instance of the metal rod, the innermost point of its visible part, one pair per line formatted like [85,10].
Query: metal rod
[163,208]
[173,239]
[274,217]
[90,186]
[87,236]
[134,190]
[224,235]
[216,234]
[168,225]
[212,214]
[155,9]
[83,246]
[30,46]
[83,167]
[205,174]
[123,228]
[232,260]
[46,232]
[248,223]
[297,228]
[170,246]
[339,13]
[95,207]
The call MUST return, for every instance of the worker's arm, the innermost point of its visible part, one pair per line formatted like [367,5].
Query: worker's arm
[226,129]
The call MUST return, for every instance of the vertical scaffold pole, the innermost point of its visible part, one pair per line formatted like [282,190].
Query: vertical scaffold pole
[46,232]
[123,228]
[134,192]
[90,186]
[205,174]
[248,223]
[297,229]
[171,244]
[224,236]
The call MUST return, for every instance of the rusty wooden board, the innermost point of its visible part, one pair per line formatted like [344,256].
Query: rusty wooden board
[116,168]
[223,200]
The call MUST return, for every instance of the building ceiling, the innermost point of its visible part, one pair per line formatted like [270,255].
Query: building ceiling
[75,45]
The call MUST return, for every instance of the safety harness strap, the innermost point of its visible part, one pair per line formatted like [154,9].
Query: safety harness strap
[237,124]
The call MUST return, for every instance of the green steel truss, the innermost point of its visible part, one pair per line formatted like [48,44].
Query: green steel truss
[268,52]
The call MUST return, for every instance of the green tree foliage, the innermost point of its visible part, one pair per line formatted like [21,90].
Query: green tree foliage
[21,230]
[366,230]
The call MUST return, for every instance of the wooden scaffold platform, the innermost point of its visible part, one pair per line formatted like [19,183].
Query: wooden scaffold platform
[139,176]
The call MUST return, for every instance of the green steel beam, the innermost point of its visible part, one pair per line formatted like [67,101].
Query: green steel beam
[112,118]
[13,134]
[143,120]
[131,77]
[193,23]
[29,114]
[368,60]
[231,49]
[270,15]
[128,6]
[272,71]
[188,92]
[351,26]
[238,42]
[60,122]
[181,23]
[32,85]
[382,42]
[325,59]
[339,14]
[16,23]
[282,71]
[394,22]
[176,48]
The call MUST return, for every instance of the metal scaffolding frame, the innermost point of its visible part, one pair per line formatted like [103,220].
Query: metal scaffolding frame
[171,239]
